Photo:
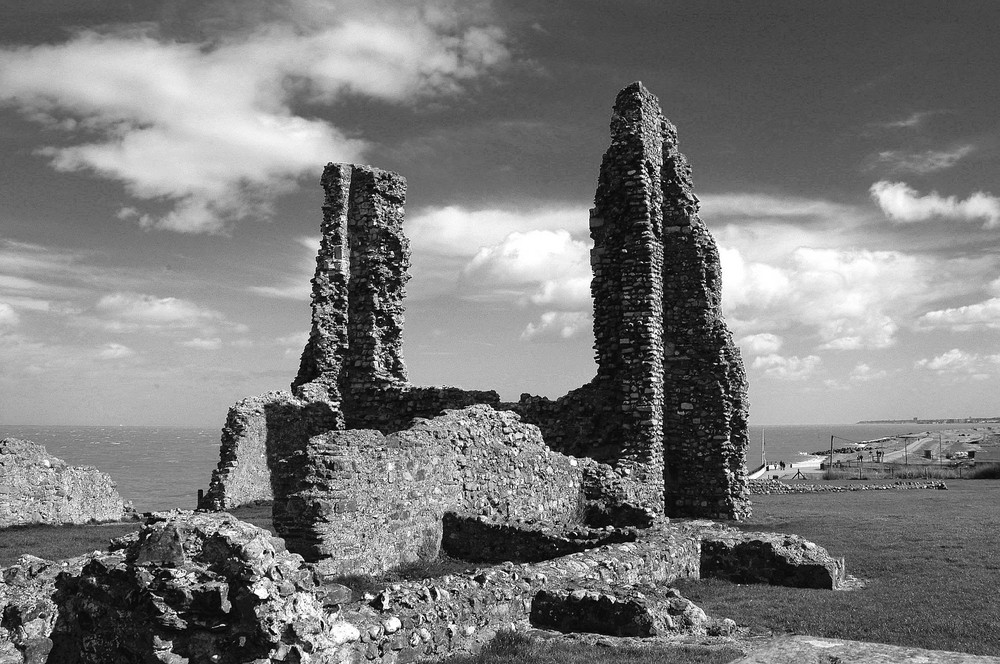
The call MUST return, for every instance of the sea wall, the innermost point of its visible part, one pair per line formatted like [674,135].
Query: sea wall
[36,487]
[370,502]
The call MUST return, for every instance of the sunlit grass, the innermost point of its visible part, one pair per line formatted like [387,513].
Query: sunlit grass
[511,648]
[931,560]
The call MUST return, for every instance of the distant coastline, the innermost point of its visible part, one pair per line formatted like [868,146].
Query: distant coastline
[953,420]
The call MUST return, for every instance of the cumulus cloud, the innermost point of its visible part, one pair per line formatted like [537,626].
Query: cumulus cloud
[788,368]
[764,343]
[214,343]
[113,351]
[132,312]
[922,163]
[210,125]
[540,266]
[8,317]
[850,299]
[863,373]
[982,315]
[557,326]
[956,361]
[460,232]
[903,204]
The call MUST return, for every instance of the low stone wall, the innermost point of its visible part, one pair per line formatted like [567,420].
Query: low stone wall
[767,487]
[36,487]
[259,432]
[480,540]
[370,502]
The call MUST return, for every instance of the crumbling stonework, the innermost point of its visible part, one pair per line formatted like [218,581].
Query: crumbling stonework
[667,410]
[210,588]
[369,502]
[259,433]
[771,558]
[36,487]
[668,405]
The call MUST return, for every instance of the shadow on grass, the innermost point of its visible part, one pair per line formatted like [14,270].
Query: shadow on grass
[513,648]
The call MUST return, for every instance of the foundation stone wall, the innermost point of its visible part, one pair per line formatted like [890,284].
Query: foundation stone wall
[36,488]
[369,502]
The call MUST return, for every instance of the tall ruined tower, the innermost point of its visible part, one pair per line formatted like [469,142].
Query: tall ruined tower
[627,260]
[665,360]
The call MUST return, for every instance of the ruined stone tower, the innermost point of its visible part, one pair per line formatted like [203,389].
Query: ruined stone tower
[666,411]
[667,408]
[660,337]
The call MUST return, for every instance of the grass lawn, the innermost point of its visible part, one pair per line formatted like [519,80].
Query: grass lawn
[931,560]
[509,648]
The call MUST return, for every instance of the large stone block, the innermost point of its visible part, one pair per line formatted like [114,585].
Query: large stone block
[771,558]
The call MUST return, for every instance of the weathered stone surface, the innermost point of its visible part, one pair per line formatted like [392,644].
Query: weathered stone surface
[28,612]
[36,487]
[799,649]
[772,558]
[631,611]
[479,539]
[260,433]
[668,407]
[195,588]
[371,502]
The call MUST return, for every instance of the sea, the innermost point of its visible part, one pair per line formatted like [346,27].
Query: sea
[161,468]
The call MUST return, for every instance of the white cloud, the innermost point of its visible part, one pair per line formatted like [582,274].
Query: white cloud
[130,312]
[210,126]
[956,361]
[113,351]
[863,373]
[788,368]
[213,343]
[928,161]
[460,232]
[764,343]
[848,298]
[8,317]
[544,267]
[903,204]
[963,319]
[557,326]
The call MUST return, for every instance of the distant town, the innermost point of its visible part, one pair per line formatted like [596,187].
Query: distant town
[952,420]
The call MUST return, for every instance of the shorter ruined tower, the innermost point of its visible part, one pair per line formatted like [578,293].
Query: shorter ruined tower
[356,337]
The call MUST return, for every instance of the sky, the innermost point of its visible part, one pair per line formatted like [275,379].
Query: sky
[160,198]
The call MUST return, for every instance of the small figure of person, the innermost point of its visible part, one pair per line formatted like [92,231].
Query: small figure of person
[782,465]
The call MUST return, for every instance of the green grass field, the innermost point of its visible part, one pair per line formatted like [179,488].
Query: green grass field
[930,561]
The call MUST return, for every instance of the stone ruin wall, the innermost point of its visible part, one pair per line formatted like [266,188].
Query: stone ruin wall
[36,487]
[369,502]
[668,406]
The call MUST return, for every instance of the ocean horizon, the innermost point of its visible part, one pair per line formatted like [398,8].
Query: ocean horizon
[160,468]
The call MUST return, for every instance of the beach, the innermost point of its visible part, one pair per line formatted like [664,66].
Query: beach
[889,455]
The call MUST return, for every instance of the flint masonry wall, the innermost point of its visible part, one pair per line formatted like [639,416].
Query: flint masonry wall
[36,487]
[705,409]
[260,432]
[668,405]
[370,502]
